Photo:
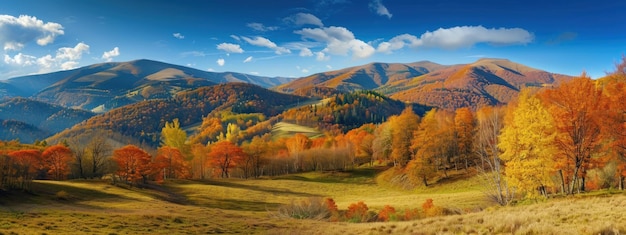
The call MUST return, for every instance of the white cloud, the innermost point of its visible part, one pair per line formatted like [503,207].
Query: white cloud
[17,32]
[20,60]
[65,58]
[305,70]
[249,59]
[108,55]
[254,73]
[220,62]
[69,65]
[235,37]
[329,67]
[210,70]
[379,8]
[264,42]
[178,35]
[230,48]
[304,19]
[260,27]
[72,53]
[320,56]
[306,52]
[339,41]
[459,37]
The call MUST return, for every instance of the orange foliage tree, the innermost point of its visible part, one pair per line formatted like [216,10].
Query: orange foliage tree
[133,163]
[26,164]
[56,159]
[578,108]
[464,127]
[615,125]
[402,129]
[225,155]
[171,162]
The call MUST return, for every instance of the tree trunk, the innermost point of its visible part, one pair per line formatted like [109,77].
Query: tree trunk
[582,184]
[425,181]
[621,182]
[562,182]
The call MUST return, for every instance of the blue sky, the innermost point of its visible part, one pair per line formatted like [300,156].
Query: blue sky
[299,38]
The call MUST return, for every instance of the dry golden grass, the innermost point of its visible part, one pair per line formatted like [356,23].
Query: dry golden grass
[244,206]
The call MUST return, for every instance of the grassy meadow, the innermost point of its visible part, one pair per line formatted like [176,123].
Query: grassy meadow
[235,206]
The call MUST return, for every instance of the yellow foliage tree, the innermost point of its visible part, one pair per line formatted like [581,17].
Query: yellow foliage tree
[173,136]
[426,147]
[402,129]
[528,145]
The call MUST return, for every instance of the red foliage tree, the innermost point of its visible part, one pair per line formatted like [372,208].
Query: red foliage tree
[26,164]
[57,160]
[133,163]
[225,155]
[170,163]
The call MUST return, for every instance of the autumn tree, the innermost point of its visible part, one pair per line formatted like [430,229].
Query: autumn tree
[173,136]
[296,145]
[381,144]
[200,154]
[209,130]
[225,155]
[256,152]
[578,108]
[614,126]
[426,148]
[98,150]
[464,127]
[133,164]
[26,165]
[528,145]
[170,163]
[402,129]
[490,121]
[57,159]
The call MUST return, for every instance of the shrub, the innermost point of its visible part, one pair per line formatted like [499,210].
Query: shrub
[411,214]
[357,212]
[387,213]
[310,208]
[332,209]
[430,209]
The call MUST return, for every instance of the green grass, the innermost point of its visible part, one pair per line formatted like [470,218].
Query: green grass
[244,206]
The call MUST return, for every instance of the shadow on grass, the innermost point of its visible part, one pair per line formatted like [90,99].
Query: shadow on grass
[232,184]
[355,176]
[49,192]
[234,204]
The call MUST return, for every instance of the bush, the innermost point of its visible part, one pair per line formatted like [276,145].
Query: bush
[332,209]
[357,212]
[430,209]
[387,213]
[311,208]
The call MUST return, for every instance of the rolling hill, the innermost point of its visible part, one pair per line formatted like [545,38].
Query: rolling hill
[30,120]
[105,86]
[145,119]
[365,77]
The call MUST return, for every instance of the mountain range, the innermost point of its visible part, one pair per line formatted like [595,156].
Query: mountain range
[484,82]
[135,98]
[106,86]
